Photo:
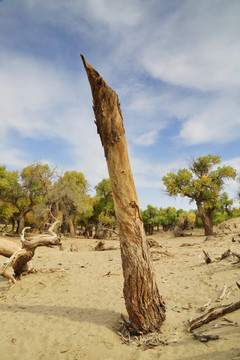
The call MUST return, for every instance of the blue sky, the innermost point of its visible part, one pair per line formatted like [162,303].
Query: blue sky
[175,67]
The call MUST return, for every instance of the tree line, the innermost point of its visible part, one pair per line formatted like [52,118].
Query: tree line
[37,193]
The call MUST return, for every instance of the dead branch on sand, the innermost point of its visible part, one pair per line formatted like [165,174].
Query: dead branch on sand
[156,254]
[213,314]
[225,255]
[222,293]
[205,338]
[207,258]
[101,246]
[204,306]
[19,260]
[153,243]
[8,247]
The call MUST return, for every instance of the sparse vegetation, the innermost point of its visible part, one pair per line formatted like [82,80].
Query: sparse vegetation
[28,196]
[202,183]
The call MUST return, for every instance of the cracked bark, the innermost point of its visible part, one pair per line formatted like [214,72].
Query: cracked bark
[144,304]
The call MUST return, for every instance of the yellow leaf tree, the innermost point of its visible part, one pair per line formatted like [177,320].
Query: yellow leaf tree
[202,184]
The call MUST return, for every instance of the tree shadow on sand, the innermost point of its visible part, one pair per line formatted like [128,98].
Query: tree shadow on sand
[103,317]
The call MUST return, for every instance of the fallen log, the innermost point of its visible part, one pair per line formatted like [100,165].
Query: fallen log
[20,259]
[7,248]
[213,314]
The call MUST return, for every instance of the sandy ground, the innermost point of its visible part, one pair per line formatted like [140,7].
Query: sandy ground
[71,307]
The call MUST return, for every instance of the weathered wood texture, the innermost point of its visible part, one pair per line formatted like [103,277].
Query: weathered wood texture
[213,314]
[144,304]
[20,258]
[7,248]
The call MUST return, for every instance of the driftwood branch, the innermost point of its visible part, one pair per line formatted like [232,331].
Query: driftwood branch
[8,247]
[20,258]
[43,239]
[213,314]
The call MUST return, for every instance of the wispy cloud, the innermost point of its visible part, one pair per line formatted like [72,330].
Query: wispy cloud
[39,101]
[217,122]
[173,64]
[146,139]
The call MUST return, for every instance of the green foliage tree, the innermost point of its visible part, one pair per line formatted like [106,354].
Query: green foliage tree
[202,184]
[168,217]
[223,210]
[151,218]
[7,214]
[24,190]
[103,204]
[226,204]
[70,192]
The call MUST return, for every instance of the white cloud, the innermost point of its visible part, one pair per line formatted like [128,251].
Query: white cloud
[217,122]
[197,46]
[167,61]
[148,180]
[146,139]
[232,187]
[39,101]
[12,157]
[31,91]
[234,162]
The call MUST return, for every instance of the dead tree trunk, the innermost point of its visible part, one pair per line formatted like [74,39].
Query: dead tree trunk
[144,304]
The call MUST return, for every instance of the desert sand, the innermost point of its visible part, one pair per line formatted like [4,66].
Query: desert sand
[71,307]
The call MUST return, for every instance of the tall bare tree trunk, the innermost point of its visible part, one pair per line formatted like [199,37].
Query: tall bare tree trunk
[144,304]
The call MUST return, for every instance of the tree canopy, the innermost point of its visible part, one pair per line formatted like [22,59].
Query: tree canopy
[30,195]
[103,205]
[70,192]
[201,183]
[24,190]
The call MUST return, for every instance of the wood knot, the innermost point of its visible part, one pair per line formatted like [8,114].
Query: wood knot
[134,205]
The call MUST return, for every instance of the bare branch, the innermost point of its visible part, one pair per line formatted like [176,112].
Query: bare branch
[213,314]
